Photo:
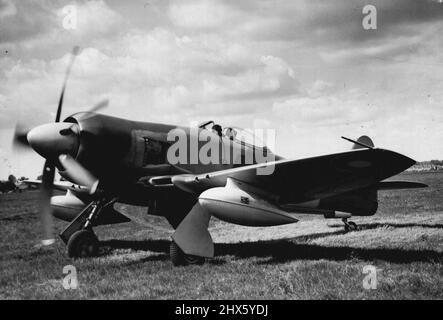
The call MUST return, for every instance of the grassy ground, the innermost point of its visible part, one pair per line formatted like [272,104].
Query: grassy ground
[313,259]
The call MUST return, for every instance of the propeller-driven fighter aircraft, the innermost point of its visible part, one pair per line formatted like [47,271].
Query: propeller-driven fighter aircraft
[106,160]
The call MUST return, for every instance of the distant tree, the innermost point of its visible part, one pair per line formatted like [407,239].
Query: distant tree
[9,185]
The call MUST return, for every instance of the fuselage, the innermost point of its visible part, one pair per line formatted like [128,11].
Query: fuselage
[120,152]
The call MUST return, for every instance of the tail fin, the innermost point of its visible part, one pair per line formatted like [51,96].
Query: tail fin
[364,141]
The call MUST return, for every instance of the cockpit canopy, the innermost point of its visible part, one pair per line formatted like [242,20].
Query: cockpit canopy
[239,135]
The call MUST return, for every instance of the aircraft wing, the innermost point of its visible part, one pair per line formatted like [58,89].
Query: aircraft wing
[295,181]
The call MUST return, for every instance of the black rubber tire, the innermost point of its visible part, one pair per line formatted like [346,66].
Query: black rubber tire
[353,226]
[176,254]
[82,244]
[179,258]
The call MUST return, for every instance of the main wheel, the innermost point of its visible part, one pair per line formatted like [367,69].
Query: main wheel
[353,226]
[82,243]
[179,258]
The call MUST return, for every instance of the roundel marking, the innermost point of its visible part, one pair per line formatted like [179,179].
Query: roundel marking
[359,164]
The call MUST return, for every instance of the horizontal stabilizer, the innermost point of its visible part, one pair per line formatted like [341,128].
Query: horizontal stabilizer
[393,185]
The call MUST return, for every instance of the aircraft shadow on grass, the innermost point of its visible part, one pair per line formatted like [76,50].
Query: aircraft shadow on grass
[296,248]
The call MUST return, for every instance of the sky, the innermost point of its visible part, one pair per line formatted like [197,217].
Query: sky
[307,69]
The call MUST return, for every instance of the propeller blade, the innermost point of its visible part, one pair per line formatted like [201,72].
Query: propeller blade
[78,173]
[45,203]
[99,106]
[74,53]
[88,114]
[19,138]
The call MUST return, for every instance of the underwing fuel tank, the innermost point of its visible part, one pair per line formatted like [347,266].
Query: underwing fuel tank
[235,205]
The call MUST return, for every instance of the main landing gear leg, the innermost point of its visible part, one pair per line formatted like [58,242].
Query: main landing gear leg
[79,237]
[179,258]
[350,225]
[191,241]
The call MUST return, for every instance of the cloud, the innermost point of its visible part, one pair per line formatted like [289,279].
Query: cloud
[320,88]
[39,25]
[324,109]
[21,20]
[340,21]
[92,18]
[200,14]
[151,73]
[273,76]
[7,8]
[291,66]
[323,24]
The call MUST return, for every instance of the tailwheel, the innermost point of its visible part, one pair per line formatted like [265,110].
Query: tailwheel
[82,243]
[179,258]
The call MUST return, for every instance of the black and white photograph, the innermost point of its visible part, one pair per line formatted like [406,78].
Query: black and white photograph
[202,151]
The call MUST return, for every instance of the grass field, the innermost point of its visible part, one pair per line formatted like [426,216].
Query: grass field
[313,259]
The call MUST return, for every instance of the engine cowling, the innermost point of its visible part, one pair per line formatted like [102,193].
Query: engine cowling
[234,205]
